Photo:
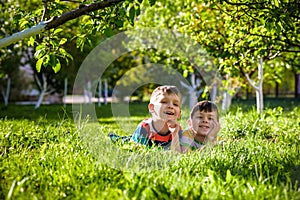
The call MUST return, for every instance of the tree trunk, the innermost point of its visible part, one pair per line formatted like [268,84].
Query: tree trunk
[7,92]
[40,99]
[247,92]
[43,89]
[65,91]
[105,92]
[227,97]
[87,93]
[259,100]
[99,92]
[226,101]
[277,90]
[259,93]
[297,85]
[193,93]
[258,88]
[214,92]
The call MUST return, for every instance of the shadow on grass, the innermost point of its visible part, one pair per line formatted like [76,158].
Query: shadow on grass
[295,175]
[57,112]
[287,103]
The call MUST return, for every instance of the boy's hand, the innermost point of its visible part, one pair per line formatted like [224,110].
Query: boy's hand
[173,126]
[214,131]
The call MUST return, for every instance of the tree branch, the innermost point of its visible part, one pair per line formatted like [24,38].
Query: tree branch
[251,82]
[57,21]
[244,4]
[82,10]
[287,41]
[44,11]
[287,50]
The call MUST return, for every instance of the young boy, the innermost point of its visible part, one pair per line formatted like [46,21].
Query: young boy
[162,127]
[203,127]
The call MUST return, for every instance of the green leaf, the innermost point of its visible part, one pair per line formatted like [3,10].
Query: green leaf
[119,23]
[185,73]
[41,46]
[108,32]
[63,41]
[38,64]
[138,11]
[23,23]
[39,53]
[131,15]
[54,43]
[57,30]
[2,74]
[152,2]
[46,60]
[31,41]
[65,54]
[56,67]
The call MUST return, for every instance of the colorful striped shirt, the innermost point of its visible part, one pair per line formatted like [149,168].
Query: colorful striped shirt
[146,134]
[187,140]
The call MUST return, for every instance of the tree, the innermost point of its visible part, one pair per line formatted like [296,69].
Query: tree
[103,17]
[252,31]
[236,35]
[49,42]
[10,58]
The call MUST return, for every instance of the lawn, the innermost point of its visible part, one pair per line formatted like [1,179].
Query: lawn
[45,155]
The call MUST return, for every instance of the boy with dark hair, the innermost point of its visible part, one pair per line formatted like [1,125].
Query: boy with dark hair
[203,127]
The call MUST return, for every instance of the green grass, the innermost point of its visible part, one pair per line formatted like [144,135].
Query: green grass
[43,155]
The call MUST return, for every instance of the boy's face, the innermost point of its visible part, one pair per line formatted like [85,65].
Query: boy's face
[203,122]
[165,107]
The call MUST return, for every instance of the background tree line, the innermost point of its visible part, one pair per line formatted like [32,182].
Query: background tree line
[239,37]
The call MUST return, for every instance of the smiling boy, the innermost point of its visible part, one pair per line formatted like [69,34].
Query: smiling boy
[203,127]
[164,107]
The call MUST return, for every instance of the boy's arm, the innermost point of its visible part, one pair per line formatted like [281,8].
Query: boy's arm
[140,135]
[211,137]
[175,144]
[174,127]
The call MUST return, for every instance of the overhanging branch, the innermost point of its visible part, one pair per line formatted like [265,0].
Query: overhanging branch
[244,4]
[57,21]
[82,10]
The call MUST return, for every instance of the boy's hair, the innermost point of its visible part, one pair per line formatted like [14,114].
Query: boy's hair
[164,89]
[204,106]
